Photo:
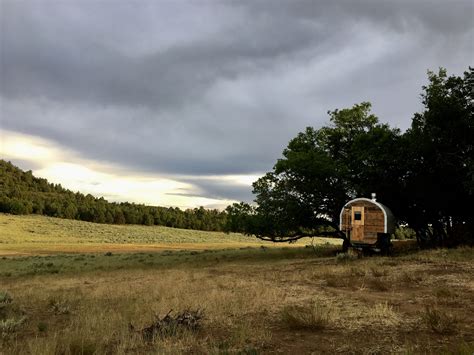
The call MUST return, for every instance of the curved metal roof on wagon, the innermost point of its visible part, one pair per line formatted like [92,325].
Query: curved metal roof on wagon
[363,206]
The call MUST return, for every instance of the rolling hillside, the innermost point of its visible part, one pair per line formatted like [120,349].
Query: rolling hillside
[26,235]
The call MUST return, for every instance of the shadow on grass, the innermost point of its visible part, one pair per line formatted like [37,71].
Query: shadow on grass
[77,263]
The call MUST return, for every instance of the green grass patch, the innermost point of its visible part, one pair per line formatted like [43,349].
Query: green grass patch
[73,264]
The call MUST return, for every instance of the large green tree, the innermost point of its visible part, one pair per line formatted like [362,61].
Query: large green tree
[425,175]
[319,171]
[439,160]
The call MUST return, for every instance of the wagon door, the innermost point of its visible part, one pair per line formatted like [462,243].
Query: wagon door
[357,224]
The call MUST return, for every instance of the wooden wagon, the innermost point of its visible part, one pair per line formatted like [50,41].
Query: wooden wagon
[367,224]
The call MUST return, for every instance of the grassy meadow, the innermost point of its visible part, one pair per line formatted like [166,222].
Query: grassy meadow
[33,234]
[253,299]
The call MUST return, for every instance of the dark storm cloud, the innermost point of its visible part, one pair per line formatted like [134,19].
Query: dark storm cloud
[212,87]
[75,66]
[218,189]
[402,15]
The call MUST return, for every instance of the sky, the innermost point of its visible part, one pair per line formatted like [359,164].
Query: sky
[186,103]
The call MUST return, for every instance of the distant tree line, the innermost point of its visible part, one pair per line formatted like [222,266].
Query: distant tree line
[425,175]
[23,193]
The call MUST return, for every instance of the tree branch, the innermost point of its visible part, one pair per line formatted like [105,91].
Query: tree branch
[299,235]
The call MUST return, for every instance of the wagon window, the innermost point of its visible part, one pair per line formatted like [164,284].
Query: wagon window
[357,215]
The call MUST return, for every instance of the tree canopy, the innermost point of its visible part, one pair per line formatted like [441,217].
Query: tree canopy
[438,183]
[425,174]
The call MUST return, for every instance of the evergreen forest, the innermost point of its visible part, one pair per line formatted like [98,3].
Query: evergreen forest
[23,193]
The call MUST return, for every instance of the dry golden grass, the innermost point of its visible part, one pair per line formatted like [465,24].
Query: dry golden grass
[384,314]
[250,306]
[311,316]
[254,300]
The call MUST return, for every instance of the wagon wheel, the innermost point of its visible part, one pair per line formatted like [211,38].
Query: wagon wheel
[387,249]
[345,245]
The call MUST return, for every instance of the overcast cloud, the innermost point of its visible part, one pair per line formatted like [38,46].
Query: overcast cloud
[194,90]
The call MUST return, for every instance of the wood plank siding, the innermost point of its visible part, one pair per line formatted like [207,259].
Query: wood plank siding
[372,221]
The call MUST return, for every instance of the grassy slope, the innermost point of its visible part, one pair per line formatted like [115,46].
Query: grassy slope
[45,235]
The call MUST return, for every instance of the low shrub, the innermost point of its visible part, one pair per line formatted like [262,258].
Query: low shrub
[5,297]
[59,306]
[42,327]
[312,317]
[10,325]
[439,321]
[171,325]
